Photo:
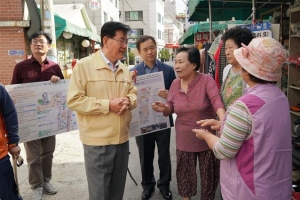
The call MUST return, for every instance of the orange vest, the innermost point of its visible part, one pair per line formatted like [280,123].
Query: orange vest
[3,138]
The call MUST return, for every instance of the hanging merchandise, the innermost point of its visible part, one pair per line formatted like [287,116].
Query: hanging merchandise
[209,62]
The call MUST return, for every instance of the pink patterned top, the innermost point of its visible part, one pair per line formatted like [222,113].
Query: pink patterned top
[201,102]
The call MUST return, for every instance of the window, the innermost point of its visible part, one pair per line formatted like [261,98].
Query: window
[140,32]
[159,34]
[111,19]
[133,15]
[105,17]
[159,17]
[116,3]
[135,33]
[162,20]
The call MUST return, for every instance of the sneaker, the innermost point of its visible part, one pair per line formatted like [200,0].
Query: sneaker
[37,193]
[48,188]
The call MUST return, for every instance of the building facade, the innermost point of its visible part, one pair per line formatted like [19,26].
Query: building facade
[173,27]
[145,18]
[99,11]
[12,37]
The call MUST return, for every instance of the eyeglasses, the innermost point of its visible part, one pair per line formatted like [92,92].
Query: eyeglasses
[42,42]
[122,42]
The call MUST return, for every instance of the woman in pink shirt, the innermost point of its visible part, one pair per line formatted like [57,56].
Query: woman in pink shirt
[193,96]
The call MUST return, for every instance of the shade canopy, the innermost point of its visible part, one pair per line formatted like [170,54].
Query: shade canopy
[224,10]
[188,36]
[63,25]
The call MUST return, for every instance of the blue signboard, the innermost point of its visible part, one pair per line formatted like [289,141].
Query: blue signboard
[15,52]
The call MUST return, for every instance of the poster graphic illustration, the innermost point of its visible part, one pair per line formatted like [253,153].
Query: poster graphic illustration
[42,109]
[144,119]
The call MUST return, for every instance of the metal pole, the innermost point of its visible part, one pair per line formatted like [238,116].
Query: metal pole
[210,21]
[48,26]
[253,11]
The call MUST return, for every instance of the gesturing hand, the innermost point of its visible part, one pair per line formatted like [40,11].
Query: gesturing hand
[158,106]
[214,124]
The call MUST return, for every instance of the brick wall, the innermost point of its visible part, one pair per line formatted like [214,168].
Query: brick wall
[11,38]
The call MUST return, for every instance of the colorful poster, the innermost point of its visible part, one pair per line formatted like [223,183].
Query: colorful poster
[42,109]
[144,119]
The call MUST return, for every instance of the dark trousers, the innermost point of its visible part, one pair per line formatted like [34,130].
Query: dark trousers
[8,187]
[146,146]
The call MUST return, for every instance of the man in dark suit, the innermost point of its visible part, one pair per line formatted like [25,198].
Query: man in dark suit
[147,49]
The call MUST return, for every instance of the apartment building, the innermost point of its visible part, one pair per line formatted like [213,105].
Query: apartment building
[173,27]
[145,18]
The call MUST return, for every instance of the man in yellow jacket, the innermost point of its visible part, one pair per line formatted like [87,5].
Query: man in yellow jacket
[102,94]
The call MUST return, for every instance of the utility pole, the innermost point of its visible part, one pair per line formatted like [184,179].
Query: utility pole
[48,26]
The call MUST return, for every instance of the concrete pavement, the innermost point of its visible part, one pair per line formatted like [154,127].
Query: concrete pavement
[69,172]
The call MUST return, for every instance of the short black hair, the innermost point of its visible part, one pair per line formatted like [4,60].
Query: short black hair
[142,39]
[258,80]
[239,35]
[109,29]
[193,55]
[37,34]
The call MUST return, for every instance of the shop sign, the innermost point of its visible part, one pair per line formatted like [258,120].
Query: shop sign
[94,5]
[260,29]
[201,38]
[15,52]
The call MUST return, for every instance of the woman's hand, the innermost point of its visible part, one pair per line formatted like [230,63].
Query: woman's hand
[158,106]
[214,124]
[201,133]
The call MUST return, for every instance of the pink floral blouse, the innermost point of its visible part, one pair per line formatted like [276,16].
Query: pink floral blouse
[201,102]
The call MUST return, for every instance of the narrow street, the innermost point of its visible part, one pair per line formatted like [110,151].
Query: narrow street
[69,172]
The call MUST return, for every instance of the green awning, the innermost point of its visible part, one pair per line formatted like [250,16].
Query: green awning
[222,10]
[188,36]
[63,25]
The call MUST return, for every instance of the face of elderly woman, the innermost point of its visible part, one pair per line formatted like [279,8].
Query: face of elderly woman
[230,46]
[183,67]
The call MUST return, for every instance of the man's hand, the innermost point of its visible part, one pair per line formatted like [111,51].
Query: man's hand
[163,93]
[158,106]
[54,79]
[119,105]
[214,124]
[15,151]
[134,74]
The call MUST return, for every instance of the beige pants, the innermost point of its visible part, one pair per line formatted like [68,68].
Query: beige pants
[39,155]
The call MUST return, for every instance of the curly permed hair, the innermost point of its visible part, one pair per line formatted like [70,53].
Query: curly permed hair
[239,35]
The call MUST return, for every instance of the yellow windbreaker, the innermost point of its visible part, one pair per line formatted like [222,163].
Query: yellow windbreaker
[91,87]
